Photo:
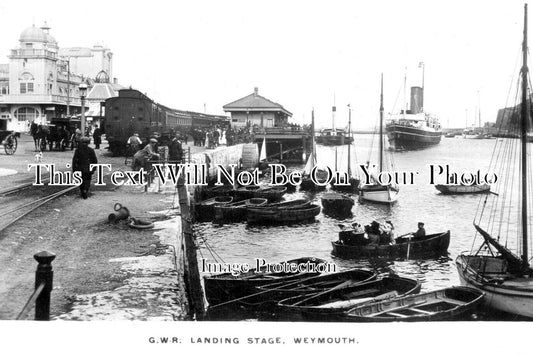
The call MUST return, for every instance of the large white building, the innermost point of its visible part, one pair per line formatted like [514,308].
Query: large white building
[41,80]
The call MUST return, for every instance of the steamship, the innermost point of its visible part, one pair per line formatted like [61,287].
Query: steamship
[414,129]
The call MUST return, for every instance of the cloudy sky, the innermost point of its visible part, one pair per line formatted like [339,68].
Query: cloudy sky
[301,54]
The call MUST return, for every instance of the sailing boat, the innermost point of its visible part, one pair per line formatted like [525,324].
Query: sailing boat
[500,266]
[263,164]
[374,191]
[321,175]
[353,183]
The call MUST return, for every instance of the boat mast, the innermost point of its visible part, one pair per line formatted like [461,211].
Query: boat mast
[333,113]
[349,139]
[523,134]
[381,127]
[404,91]
[313,150]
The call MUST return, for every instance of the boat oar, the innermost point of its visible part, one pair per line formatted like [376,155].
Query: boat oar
[262,292]
[342,285]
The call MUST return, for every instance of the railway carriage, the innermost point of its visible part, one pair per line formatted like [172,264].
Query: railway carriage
[133,112]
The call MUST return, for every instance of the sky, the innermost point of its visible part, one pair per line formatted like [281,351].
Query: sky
[192,55]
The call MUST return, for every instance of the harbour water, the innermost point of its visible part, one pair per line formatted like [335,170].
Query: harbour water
[242,243]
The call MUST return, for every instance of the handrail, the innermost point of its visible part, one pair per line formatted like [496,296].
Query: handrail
[43,287]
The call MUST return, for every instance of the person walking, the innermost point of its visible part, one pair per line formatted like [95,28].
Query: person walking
[97,137]
[83,157]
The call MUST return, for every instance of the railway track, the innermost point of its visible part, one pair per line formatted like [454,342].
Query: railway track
[19,207]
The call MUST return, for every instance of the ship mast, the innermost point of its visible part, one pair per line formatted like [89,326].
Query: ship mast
[523,134]
[333,113]
[313,151]
[381,127]
[349,138]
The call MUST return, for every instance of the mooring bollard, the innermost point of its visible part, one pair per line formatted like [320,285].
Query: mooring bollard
[44,274]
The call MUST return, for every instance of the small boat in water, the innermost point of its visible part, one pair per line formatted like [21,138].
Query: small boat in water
[282,215]
[374,191]
[311,170]
[443,304]
[462,189]
[272,193]
[337,204]
[227,287]
[220,190]
[330,305]
[236,211]
[205,210]
[353,243]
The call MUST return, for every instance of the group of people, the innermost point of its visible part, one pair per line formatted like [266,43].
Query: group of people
[379,233]
[142,158]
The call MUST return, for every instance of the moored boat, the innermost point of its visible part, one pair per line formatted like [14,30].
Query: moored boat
[449,303]
[272,193]
[374,191]
[313,285]
[414,129]
[330,305]
[236,211]
[205,210]
[227,287]
[334,137]
[500,266]
[337,204]
[309,182]
[462,189]
[282,215]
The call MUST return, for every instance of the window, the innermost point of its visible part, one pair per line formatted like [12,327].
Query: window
[4,89]
[26,88]
[26,113]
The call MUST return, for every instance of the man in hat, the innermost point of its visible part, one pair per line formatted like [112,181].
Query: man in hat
[140,159]
[83,157]
[421,232]
[175,150]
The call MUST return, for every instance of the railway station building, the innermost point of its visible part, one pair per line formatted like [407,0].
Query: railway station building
[41,80]
[255,109]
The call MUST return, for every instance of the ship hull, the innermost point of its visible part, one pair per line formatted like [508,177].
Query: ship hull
[411,138]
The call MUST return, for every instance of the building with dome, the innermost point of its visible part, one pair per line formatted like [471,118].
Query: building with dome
[41,80]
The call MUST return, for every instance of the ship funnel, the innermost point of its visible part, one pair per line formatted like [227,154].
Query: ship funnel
[417,100]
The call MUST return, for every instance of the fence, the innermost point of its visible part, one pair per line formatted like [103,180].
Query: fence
[44,277]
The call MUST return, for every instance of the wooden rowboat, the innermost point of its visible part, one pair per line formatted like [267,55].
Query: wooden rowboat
[443,304]
[330,305]
[463,189]
[337,204]
[405,247]
[313,285]
[277,215]
[226,287]
[237,211]
[273,194]
[205,210]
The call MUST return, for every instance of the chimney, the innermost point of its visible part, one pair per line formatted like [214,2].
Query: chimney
[256,90]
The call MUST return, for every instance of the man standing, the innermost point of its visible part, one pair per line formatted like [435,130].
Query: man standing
[175,150]
[83,157]
[97,133]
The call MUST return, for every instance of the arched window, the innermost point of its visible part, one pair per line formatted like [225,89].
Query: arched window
[26,113]
[26,83]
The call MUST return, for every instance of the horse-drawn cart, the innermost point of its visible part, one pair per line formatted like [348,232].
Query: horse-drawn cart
[9,140]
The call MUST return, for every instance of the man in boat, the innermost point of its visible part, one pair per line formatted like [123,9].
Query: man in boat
[387,235]
[421,232]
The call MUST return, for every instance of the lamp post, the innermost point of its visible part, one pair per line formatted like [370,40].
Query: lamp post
[83,92]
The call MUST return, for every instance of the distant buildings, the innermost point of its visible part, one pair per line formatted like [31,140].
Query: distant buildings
[41,80]
[257,110]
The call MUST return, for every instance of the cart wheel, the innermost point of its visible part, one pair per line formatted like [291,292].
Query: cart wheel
[11,145]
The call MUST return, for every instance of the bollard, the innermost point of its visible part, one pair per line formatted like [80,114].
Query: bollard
[44,274]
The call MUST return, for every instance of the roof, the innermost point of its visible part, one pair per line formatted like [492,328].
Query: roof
[102,91]
[255,102]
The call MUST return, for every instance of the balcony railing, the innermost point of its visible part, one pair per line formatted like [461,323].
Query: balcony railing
[31,52]
[38,99]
